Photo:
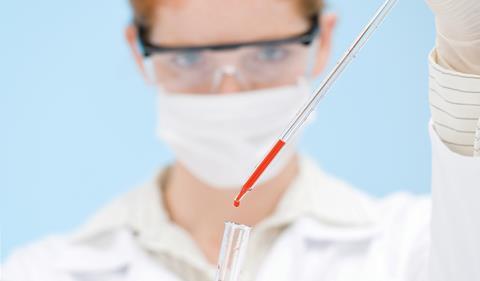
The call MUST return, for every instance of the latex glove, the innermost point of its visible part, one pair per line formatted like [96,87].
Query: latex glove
[458,34]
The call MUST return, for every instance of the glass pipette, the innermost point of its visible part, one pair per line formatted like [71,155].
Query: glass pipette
[318,95]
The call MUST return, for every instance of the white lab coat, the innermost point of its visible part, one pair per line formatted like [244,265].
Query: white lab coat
[397,247]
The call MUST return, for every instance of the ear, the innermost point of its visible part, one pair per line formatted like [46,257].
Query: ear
[327,24]
[131,37]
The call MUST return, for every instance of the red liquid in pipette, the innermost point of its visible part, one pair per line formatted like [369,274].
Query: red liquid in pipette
[259,171]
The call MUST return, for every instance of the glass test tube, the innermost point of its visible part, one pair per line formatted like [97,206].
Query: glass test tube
[232,251]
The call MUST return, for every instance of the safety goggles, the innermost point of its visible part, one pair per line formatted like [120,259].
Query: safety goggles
[254,65]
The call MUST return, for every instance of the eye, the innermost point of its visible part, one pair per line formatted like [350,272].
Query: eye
[272,54]
[187,59]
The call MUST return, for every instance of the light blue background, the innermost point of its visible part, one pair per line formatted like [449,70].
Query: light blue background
[78,122]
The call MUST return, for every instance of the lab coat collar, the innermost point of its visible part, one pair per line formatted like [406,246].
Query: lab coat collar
[142,212]
[341,210]
[326,200]
[313,193]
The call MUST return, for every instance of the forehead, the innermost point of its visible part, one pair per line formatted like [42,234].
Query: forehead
[200,22]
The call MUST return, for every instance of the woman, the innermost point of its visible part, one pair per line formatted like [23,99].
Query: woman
[229,73]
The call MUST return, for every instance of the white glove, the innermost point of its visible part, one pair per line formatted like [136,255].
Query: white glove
[458,34]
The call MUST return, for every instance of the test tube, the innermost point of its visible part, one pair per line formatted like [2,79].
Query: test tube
[232,251]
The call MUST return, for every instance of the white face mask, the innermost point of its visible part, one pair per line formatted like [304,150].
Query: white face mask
[221,138]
